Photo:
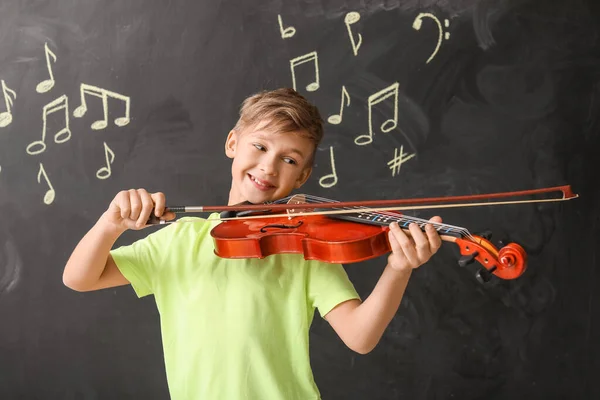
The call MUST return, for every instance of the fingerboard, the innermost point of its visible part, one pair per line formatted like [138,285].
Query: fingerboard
[385,220]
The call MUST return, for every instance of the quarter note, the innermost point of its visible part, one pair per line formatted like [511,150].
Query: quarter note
[312,56]
[337,118]
[48,84]
[352,18]
[105,172]
[329,180]
[50,193]
[389,124]
[9,97]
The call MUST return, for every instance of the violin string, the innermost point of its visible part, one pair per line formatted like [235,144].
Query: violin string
[404,219]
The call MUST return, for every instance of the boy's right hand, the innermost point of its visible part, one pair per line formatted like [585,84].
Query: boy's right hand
[131,209]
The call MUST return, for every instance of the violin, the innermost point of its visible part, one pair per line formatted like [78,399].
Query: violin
[349,232]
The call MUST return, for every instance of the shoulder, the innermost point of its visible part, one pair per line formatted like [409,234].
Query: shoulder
[191,226]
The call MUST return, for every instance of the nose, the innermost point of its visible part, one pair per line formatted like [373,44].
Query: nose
[268,165]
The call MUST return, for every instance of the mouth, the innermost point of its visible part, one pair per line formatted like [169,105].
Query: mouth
[260,184]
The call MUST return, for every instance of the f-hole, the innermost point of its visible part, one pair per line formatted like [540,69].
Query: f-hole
[280,226]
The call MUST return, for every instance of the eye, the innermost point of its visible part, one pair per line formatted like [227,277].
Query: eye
[259,146]
[289,161]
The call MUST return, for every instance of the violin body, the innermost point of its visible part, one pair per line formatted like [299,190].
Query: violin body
[316,237]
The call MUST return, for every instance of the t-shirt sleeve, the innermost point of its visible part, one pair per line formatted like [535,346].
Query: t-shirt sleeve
[140,262]
[328,286]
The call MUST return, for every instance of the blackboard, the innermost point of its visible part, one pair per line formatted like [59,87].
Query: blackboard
[490,96]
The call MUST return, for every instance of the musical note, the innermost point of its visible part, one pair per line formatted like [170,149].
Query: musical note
[48,84]
[389,124]
[61,103]
[398,160]
[352,18]
[333,176]
[50,193]
[312,56]
[418,22]
[9,97]
[287,32]
[337,118]
[104,95]
[105,172]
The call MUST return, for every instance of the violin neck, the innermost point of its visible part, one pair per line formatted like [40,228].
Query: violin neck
[403,221]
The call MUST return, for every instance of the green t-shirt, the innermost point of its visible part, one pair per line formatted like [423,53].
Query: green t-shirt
[232,329]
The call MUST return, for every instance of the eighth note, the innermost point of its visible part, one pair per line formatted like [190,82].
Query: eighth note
[389,124]
[287,32]
[61,103]
[9,97]
[418,22]
[352,18]
[337,118]
[105,172]
[312,56]
[50,193]
[333,176]
[48,84]
[104,94]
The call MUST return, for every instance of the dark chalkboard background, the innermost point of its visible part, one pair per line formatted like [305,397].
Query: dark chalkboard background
[509,102]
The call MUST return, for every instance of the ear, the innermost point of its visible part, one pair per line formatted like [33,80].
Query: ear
[304,175]
[231,143]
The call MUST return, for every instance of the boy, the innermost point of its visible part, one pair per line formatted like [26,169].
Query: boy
[238,329]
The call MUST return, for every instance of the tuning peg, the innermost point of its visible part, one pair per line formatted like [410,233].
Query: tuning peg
[484,275]
[465,260]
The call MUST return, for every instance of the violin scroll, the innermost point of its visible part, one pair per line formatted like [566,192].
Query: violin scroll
[508,262]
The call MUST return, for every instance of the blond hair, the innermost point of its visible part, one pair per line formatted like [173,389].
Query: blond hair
[286,110]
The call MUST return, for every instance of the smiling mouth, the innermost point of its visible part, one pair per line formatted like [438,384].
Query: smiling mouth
[263,185]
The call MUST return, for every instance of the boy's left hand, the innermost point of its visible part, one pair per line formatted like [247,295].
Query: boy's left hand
[413,249]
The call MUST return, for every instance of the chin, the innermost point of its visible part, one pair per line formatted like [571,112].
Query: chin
[257,198]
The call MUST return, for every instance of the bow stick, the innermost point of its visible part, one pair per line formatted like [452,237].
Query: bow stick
[374,205]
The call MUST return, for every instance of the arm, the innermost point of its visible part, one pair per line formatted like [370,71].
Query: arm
[361,325]
[90,266]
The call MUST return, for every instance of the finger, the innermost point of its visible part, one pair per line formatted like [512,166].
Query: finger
[135,205]
[115,206]
[159,203]
[397,257]
[147,206]
[406,243]
[160,207]
[435,241]
[422,247]
[394,244]
[124,204]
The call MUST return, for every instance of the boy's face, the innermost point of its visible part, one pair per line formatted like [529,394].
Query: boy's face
[267,165]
